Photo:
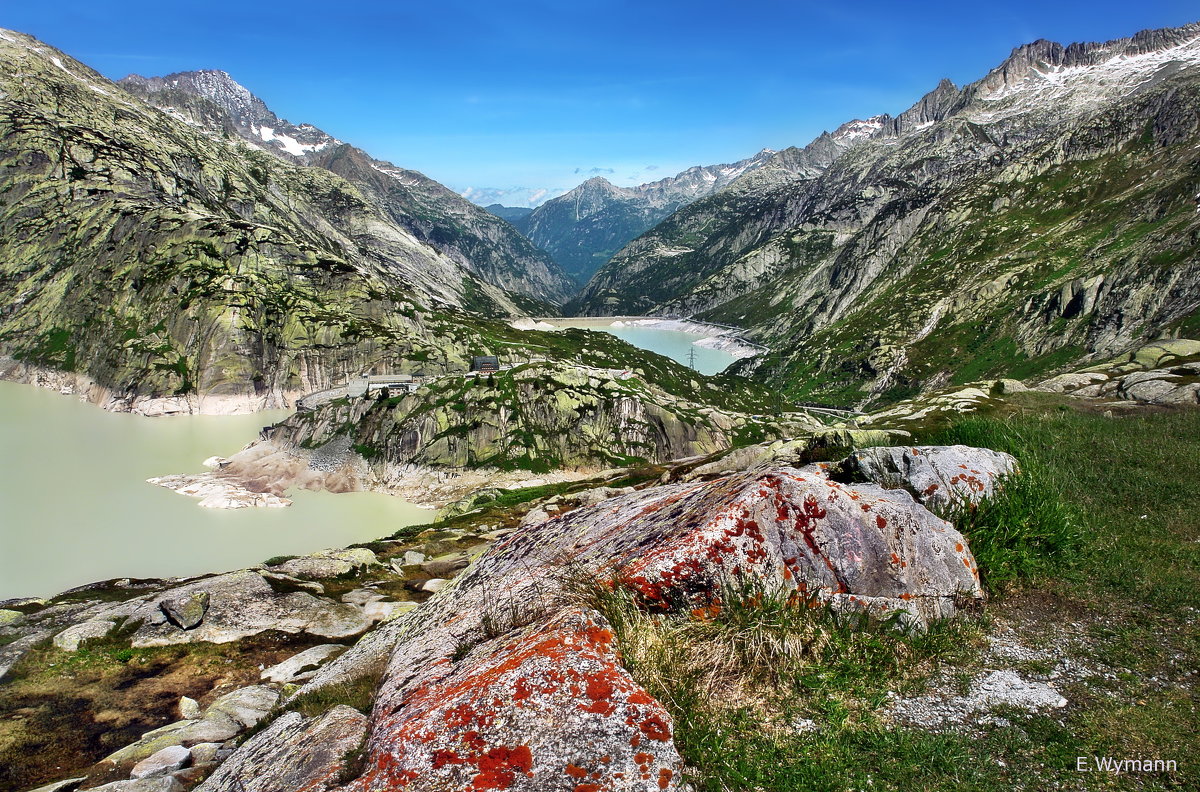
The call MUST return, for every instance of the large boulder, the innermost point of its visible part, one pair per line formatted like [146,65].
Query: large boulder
[548,707]
[186,611]
[937,475]
[293,753]
[854,546]
[240,604]
[498,681]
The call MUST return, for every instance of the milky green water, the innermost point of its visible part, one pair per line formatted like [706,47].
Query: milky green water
[669,343]
[75,506]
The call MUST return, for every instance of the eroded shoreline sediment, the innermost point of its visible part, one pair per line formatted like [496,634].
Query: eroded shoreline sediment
[262,474]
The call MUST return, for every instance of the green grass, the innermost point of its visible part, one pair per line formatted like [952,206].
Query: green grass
[1066,544]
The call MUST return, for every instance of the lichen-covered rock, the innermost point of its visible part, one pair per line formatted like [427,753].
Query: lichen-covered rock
[155,784]
[168,760]
[186,611]
[546,708]
[937,475]
[246,706]
[293,753]
[856,546]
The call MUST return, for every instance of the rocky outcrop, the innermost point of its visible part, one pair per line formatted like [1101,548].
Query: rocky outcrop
[293,753]
[1165,372]
[1039,219]
[540,417]
[547,707]
[938,476]
[853,546]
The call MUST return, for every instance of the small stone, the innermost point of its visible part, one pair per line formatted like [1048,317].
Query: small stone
[186,612]
[66,785]
[433,585]
[189,708]
[412,558]
[308,660]
[205,753]
[168,760]
[247,706]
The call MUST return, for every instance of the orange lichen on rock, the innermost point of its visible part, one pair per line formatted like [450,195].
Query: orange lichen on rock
[514,715]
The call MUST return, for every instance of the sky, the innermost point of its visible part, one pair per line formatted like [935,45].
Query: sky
[542,94]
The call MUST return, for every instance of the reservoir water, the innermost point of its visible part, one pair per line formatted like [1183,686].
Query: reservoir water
[75,506]
[674,344]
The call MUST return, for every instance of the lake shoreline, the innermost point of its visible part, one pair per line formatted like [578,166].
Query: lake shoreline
[719,337]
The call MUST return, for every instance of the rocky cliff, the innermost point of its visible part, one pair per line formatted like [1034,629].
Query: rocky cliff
[581,229]
[162,266]
[422,207]
[1040,217]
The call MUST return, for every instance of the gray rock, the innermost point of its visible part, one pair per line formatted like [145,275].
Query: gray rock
[444,566]
[205,753]
[246,706]
[381,611]
[293,753]
[155,784]
[213,727]
[433,585]
[361,597]
[244,604]
[189,708]
[187,610]
[936,475]
[167,760]
[412,558]
[1066,383]
[308,660]
[69,639]
[11,618]
[328,563]
[66,785]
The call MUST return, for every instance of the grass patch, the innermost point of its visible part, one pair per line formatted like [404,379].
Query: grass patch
[358,693]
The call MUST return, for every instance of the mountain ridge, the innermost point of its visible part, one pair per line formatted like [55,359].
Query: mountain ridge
[425,208]
[815,266]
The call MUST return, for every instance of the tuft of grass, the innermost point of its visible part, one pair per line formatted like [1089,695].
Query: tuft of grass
[358,693]
[1024,532]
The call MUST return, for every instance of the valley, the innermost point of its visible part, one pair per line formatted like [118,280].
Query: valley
[866,463]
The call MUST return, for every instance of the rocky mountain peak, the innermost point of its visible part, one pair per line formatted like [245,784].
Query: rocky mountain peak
[1038,59]
[212,98]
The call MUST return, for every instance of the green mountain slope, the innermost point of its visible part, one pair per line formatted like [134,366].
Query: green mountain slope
[1040,217]
[162,260]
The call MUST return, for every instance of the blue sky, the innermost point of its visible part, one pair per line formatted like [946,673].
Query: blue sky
[546,94]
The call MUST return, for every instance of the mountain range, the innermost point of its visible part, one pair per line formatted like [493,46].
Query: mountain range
[583,228]
[1040,217]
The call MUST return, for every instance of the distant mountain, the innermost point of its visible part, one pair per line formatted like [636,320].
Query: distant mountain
[421,206]
[1041,217]
[513,214]
[511,196]
[160,263]
[584,227]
